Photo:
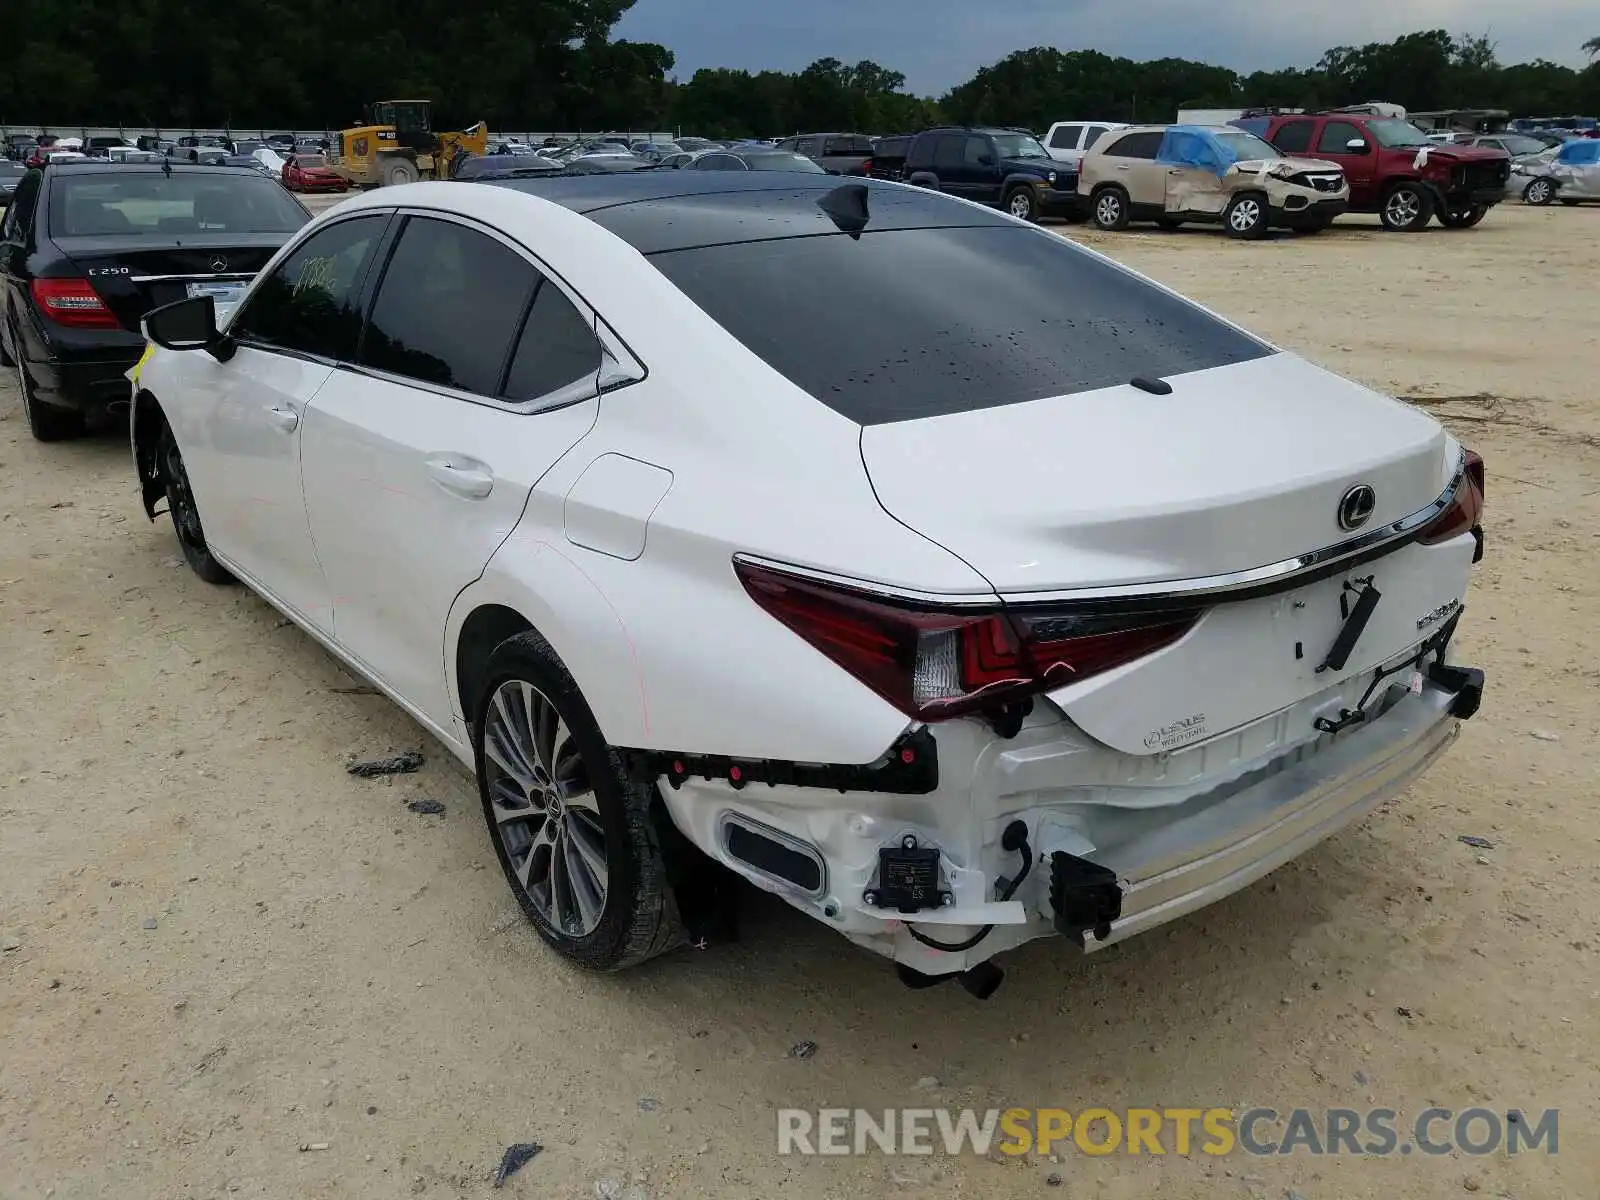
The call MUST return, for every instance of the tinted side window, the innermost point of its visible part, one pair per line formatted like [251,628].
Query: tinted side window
[839,145]
[810,145]
[861,145]
[309,303]
[1065,137]
[1136,145]
[19,213]
[448,307]
[1334,136]
[976,148]
[1294,137]
[921,322]
[949,152]
[1096,132]
[788,143]
[557,346]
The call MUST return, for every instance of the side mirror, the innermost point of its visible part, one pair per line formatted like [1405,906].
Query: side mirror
[986,160]
[186,325]
[1356,146]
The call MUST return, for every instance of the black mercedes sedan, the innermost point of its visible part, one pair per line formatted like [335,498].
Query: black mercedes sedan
[88,247]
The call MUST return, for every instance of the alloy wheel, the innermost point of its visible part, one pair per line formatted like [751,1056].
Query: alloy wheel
[546,814]
[1246,213]
[1402,207]
[1020,205]
[1108,210]
[1538,192]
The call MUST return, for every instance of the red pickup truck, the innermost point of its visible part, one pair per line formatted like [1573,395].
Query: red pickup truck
[1392,167]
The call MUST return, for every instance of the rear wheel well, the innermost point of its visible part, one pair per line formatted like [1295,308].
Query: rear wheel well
[481,633]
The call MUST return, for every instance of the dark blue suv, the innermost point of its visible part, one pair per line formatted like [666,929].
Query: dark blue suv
[1003,168]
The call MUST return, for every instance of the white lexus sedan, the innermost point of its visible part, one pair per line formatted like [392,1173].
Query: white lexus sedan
[941,576]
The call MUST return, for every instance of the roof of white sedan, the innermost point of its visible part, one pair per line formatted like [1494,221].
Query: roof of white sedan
[654,211]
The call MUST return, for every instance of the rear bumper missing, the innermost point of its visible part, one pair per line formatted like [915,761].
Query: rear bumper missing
[1212,848]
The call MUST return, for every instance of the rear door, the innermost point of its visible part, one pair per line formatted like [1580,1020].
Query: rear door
[1131,162]
[476,373]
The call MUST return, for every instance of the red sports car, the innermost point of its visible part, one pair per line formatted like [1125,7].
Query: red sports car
[311,173]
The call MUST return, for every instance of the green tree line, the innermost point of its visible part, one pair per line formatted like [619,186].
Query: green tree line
[551,64]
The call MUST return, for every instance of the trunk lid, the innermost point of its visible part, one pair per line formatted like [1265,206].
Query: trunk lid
[1240,467]
[132,276]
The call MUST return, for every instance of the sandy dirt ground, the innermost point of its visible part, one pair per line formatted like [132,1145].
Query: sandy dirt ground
[221,949]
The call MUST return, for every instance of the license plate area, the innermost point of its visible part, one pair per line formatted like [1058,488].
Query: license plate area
[222,291]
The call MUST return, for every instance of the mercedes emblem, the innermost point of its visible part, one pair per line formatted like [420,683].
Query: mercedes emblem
[220,264]
[1355,509]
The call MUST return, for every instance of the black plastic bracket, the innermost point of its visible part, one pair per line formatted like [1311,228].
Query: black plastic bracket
[1084,896]
[1465,682]
[909,768]
[908,878]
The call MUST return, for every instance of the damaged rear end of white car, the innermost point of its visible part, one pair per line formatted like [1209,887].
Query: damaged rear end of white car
[1223,590]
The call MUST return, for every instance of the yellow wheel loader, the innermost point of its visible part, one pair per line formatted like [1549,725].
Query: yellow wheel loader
[397,145]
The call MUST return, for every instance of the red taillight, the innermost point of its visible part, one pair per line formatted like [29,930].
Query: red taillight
[866,167]
[1465,510]
[73,302]
[937,663]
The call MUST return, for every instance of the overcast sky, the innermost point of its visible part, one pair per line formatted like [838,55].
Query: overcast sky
[939,43]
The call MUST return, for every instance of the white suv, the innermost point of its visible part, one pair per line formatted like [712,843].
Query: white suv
[1069,141]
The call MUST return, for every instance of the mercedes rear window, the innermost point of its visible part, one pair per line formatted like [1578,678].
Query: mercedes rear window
[916,323]
[153,204]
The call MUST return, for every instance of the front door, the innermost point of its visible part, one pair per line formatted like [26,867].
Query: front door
[476,374]
[241,434]
[1334,143]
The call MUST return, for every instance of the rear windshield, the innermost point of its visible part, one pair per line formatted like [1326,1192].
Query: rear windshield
[783,162]
[152,204]
[922,322]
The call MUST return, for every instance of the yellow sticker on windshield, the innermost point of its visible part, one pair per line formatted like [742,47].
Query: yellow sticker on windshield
[149,349]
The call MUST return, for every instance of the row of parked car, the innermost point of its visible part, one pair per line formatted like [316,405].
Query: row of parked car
[529,456]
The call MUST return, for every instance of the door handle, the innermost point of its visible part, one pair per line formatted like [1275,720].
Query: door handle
[285,419]
[463,477]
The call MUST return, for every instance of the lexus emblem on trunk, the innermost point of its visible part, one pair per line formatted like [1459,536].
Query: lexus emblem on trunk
[1355,509]
[221,264]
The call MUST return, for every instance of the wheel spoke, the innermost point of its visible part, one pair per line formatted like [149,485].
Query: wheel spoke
[525,869]
[561,902]
[504,741]
[565,757]
[587,890]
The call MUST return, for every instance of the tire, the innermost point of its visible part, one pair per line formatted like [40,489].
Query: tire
[1406,208]
[1246,216]
[5,355]
[1111,209]
[399,172]
[1463,218]
[186,513]
[1169,223]
[536,745]
[1539,193]
[1022,204]
[47,423]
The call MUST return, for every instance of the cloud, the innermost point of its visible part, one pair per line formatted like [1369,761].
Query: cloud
[940,43]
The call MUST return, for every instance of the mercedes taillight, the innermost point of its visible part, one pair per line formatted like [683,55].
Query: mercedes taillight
[73,303]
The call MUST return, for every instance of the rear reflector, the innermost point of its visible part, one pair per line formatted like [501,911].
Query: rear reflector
[933,663]
[74,303]
[1465,509]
